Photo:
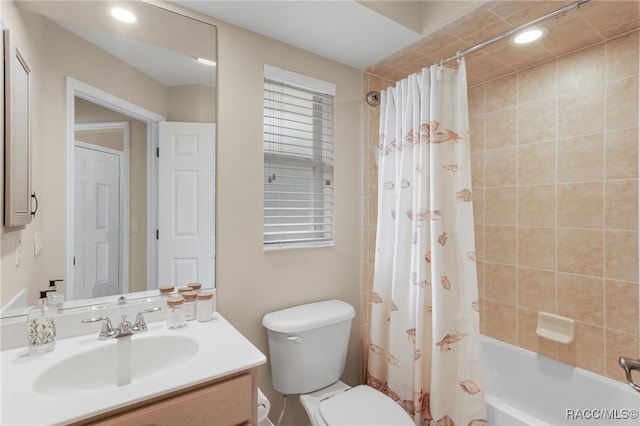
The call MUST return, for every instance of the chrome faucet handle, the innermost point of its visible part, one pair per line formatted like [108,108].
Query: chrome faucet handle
[140,325]
[627,365]
[107,331]
[124,328]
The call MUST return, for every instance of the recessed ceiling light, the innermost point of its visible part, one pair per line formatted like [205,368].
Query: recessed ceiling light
[529,35]
[208,62]
[123,15]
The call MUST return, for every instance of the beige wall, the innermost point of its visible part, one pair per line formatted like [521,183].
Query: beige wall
[30,270]
[105,138]
[193,103]
[555,170]
[370,142]
[555,177]
[251,282]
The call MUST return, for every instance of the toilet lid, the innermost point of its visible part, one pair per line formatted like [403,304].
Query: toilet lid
[363,405]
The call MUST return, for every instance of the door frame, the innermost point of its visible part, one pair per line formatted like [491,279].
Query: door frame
[124,188]
[76,88]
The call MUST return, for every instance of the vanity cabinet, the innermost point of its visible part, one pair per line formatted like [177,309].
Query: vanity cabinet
[225,402]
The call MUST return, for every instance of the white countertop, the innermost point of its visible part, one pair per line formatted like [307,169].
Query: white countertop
[222,351]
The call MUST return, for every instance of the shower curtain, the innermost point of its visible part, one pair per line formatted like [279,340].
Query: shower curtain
[424,347]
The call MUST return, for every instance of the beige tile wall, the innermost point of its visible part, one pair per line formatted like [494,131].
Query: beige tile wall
[371,118]
[555,172]
[555,176]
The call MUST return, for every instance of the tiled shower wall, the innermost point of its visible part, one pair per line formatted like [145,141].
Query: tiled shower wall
[554,153]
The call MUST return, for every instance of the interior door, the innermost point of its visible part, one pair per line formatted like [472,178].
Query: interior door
[96,221]
[186,203]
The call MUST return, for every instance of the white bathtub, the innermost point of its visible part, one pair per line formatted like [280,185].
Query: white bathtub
[524,388]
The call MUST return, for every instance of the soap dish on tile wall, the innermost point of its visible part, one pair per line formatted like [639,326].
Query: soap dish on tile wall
[556,328]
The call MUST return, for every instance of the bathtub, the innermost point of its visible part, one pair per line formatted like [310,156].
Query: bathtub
[524,388]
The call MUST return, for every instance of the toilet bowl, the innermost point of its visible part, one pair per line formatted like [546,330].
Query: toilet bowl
[307,352]
[341,404]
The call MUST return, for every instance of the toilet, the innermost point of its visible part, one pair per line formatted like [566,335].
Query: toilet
[308,350]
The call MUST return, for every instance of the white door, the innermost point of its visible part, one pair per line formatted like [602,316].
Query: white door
[186,204]
[96,222]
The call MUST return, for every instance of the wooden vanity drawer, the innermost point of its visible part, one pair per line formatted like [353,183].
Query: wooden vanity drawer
[225,403]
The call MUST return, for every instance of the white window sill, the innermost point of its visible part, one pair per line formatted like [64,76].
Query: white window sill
[294,246]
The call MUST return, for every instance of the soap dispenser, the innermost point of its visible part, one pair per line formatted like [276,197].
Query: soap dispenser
[54,297]
[41,327]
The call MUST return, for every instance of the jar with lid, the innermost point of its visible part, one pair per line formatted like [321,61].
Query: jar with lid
[175,314]
[190,305]
[166,290]
[205,307]
[182,290]
[195,287]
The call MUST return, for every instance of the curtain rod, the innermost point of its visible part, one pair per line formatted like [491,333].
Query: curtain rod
[554,14]
[373,98]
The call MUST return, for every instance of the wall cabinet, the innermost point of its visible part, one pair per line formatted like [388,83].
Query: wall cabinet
[17,143]
[226,402]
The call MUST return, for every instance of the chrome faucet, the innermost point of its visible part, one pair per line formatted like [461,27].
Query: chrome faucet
[629,365]
[125,328]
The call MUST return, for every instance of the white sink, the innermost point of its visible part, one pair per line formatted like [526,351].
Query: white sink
[114,363]
[83,378]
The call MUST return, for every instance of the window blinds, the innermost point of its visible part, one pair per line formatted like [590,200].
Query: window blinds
[298,160]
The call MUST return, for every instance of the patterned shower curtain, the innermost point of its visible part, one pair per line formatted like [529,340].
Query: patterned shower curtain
[424,337]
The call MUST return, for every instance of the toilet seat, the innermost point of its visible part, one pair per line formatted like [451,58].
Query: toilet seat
[365,406]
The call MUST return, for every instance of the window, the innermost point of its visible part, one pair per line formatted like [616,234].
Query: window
[298,160]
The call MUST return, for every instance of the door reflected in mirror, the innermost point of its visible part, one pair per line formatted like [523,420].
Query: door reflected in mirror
[106,93]
[101,182]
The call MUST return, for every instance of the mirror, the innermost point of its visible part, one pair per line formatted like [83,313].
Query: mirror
[111,97]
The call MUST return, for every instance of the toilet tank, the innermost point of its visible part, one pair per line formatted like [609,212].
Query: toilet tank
[308,345]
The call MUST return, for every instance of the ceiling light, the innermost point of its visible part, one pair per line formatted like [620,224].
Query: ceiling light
[123,15]
[529,35]
[206,62]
